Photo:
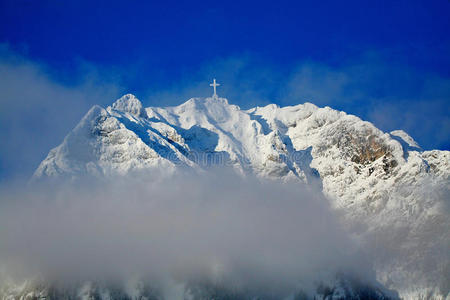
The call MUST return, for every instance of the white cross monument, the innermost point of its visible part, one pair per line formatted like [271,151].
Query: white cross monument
[214,85]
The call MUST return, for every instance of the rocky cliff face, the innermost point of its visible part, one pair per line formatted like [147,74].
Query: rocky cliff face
[392,196]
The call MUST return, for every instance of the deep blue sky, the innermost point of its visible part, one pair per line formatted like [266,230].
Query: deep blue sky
[386,61]
[179,35]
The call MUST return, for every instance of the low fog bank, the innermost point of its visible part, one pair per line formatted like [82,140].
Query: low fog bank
[219,228]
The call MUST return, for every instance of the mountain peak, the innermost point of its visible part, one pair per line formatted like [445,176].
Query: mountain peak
[370,177]
[130,104]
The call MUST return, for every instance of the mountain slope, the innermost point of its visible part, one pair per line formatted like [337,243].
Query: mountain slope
[392,196]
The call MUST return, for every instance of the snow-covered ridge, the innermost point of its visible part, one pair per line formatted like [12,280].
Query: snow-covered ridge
[292,143]
[377,180]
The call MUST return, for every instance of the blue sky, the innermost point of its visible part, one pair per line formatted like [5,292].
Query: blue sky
[385,61]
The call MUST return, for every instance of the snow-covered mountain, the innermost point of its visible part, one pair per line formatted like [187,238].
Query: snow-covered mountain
[393,196]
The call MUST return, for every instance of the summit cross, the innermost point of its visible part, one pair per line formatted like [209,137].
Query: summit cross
[214,85]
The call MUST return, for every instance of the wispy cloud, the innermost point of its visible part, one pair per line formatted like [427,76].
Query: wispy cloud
[245,80]
[37,111]
[390,95]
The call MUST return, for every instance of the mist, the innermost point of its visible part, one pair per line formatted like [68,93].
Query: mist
[241,234]
[38,107]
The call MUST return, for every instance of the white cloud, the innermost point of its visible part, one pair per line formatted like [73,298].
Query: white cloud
[242,234]
[36,111]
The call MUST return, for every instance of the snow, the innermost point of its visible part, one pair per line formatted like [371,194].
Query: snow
[376,180]
[130,104]
[405,138]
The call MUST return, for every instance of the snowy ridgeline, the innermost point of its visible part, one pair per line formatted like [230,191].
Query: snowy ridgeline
[391,194]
